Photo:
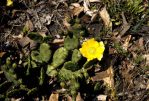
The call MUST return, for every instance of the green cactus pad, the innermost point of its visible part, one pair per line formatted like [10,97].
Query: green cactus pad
[71,43]
[59,57]
[45,52]
[74,85]
[76,55]
[65,74]
[35,56]
[42,76]
[10,75]
[49,69]
[71,66]
[43,55]
[53,73]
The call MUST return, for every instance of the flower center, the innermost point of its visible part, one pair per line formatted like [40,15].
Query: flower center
[91,50]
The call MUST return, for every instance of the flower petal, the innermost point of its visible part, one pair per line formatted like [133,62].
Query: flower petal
[92,49]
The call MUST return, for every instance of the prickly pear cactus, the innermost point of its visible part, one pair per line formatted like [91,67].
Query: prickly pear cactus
[71,43]
[9,71]
[42,76]
[43,55]
[76,56]
[59,56]
[71,66]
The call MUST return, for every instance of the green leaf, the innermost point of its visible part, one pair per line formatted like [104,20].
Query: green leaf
[35,36]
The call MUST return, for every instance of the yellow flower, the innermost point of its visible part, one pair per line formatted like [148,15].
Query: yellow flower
[91,49]
[9,2]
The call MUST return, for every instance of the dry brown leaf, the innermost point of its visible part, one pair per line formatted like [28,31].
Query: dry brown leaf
[54,97]
[94,0]
[76,9]
[78,98]
[101,97]
[25,40]
[105,17]
[146,56]
[86,6]
[58,41]
[66,24]
[29,25]
[106,76]
[126,43]
[20,36]
[110,79]
[75,4]
[89,12]
[2,53]
[141,43]
[147,85]
[69,98]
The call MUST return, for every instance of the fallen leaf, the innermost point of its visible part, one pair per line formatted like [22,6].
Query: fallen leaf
[87,11]
[58,41]
[65,22]
[126,43]
[25,40]
[94,0]
[86,6]
[69,98]
[102,97]
[146,56]
[76,9]
[54,97]
[147,85]
[106,18]
[28,26]
[79,98]
[106,76]
[2,53]
[110,79]
[141,43]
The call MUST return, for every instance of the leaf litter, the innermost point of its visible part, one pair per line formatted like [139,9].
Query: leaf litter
[124,68]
